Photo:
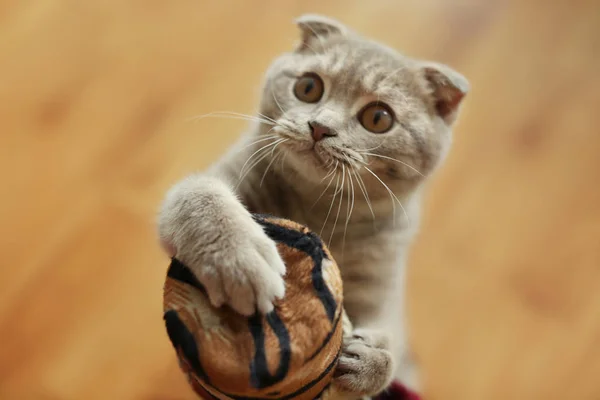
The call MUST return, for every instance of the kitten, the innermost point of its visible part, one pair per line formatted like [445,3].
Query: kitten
[347,134]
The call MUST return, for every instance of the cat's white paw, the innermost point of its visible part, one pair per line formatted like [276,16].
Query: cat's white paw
[206,228]
[366,365]
[246,273]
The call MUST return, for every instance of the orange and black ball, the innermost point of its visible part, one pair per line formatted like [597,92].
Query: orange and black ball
[290,353]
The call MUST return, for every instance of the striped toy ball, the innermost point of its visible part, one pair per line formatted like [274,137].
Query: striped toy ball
[290,353]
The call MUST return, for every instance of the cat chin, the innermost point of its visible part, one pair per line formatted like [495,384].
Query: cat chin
[308,165]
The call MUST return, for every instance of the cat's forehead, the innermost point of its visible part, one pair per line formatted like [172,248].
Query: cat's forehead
[365,66]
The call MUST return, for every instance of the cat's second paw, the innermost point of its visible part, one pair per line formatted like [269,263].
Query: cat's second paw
[366,365]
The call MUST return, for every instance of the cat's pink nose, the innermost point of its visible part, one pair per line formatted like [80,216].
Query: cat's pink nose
[319,131]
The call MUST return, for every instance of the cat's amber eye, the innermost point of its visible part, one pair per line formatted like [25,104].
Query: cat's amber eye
[309,88]
[376,117]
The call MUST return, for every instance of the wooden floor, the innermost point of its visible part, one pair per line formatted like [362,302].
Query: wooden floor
[95,98]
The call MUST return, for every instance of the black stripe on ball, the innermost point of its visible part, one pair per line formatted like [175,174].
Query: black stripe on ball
[260,377]
[290,396]
[179,272]
[182,339]
[327,338]
[311,244]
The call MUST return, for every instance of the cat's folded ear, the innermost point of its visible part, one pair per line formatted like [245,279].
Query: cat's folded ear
[315,28]
[447,88]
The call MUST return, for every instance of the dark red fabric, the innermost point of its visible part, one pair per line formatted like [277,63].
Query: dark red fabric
[397,391]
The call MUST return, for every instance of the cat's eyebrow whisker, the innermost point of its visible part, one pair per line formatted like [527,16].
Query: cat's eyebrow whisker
[277,102]
[340,204]
[392,196]
[391,75]
[232,115]
[394,159]
[319,56]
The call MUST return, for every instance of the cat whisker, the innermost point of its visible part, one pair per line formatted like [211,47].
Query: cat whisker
[282,164]
[363,189]
[255,163]
[340,204]
[271,162]
[337,182]
[392,196]
[393,203]
[261,139]
[394,159]
[251,167]
[350,209]
[267,117]
[233,115]
[258,151]
[350,158]
[331,161]
[331,171]
[332,174]
[383,139]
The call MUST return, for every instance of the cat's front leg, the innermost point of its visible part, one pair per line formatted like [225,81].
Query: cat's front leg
[203,224]
[366,366]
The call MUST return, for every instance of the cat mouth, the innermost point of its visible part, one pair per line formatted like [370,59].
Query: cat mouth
[317,152]
[312,151]
[311,154]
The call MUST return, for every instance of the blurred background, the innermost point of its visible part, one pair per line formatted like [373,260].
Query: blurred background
[95,97]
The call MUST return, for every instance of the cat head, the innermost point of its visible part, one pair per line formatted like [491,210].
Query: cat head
[340,99]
